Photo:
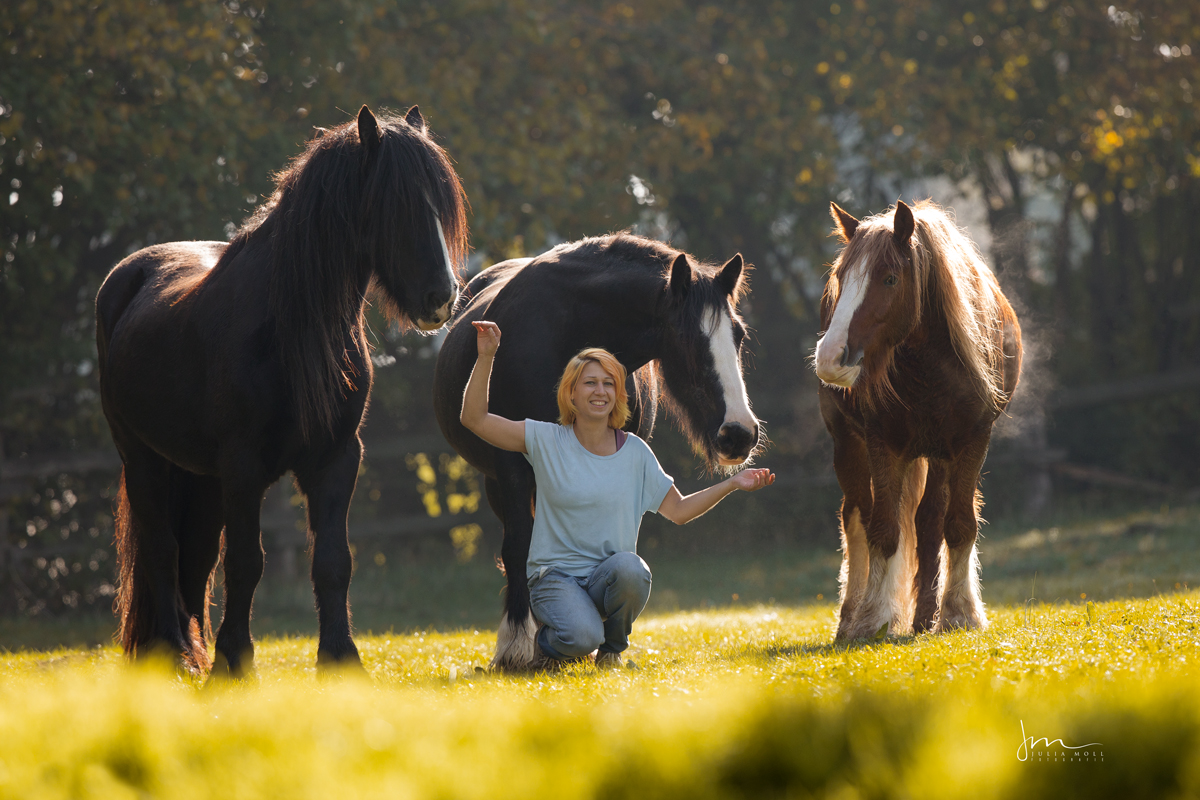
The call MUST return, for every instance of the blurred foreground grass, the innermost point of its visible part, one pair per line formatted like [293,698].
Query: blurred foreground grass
[737,692]
[740,703]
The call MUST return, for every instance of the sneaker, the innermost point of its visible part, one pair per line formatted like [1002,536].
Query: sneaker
[606,660]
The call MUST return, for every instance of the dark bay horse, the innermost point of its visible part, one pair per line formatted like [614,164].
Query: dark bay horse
[671,322]
[921,353]
[224,365]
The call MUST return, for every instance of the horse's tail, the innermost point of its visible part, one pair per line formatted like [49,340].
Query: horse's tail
[134,603]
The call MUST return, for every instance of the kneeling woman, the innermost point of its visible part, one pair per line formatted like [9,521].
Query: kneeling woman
[594,482]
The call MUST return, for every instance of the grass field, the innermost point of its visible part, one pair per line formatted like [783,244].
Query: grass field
[740,699]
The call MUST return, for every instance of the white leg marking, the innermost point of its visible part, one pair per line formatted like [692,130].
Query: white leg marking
[904,601]
[855,562]
[516,645]
[875,611]
[729,367]
[962,606]
[829,349]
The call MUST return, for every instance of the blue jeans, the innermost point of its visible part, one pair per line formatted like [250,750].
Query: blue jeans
[582,614]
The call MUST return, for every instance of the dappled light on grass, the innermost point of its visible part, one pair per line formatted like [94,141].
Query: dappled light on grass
[735,703]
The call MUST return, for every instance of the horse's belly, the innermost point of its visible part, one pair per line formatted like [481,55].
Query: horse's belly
[154,388]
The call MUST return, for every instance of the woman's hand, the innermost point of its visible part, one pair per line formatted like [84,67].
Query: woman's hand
[751,480]
[487,338]
[507,434]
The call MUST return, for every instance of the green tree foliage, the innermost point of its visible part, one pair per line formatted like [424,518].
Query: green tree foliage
[724,126]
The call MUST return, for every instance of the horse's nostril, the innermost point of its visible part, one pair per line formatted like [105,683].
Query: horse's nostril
[842,356]
[733,438]
[858,358]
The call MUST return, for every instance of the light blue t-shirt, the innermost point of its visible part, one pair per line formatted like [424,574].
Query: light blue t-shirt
[589,507]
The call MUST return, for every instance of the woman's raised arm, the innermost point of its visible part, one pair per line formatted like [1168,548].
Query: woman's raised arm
[497,431]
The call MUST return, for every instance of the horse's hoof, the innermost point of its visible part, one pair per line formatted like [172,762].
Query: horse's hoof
[348,665]
[165,660]
[223,671]
[961,622]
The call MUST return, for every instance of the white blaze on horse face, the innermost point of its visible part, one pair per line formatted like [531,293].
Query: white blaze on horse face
[443,313]
[829,350]
[445,250]
[719,329]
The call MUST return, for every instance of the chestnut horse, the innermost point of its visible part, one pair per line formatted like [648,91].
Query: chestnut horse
[224,365]
[920,355]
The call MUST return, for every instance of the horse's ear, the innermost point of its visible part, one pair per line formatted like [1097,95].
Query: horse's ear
[414,118]
[368,131]
[681,276]
[730,277]
[903,225]
[847,224]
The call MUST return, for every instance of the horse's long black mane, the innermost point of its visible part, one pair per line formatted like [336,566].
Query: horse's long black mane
[338,209]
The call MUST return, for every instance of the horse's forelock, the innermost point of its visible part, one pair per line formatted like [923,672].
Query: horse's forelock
[414,176]
[872,246]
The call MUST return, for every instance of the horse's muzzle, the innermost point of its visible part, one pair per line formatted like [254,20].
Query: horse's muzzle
[735,443]
[433,318]
[842,369]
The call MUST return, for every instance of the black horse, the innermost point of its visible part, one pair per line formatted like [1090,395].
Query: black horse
[672,323]
[222,366]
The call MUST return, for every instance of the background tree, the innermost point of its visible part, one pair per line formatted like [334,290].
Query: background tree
[723,127]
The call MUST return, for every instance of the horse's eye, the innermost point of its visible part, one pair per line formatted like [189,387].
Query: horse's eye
[890,280]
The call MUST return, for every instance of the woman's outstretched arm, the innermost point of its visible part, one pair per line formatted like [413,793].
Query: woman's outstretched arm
[498,431]
[680,509]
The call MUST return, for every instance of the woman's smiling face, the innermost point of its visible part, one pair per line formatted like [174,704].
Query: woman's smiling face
[595,393]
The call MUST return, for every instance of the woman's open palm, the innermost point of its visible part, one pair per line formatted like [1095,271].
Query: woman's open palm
[751,480]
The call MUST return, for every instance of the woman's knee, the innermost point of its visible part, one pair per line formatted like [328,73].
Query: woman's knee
[580,638]
[629,575]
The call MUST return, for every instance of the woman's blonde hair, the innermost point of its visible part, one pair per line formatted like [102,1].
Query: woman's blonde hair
[570,378]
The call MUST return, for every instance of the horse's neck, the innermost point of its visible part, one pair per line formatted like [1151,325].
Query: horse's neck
[631,321]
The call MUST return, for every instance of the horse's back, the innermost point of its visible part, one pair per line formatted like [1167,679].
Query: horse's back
[163,269]
[494,276]
[168,353]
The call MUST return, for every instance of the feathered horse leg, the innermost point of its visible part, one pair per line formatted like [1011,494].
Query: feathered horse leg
[511,496]
[887,601]
[962,606]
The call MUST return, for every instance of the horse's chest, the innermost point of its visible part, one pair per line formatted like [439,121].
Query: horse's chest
[938,416]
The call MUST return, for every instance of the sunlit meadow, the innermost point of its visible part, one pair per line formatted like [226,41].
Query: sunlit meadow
[749,702]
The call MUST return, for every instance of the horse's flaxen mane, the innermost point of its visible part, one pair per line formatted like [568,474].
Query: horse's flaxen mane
[951,272]
[336,212]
